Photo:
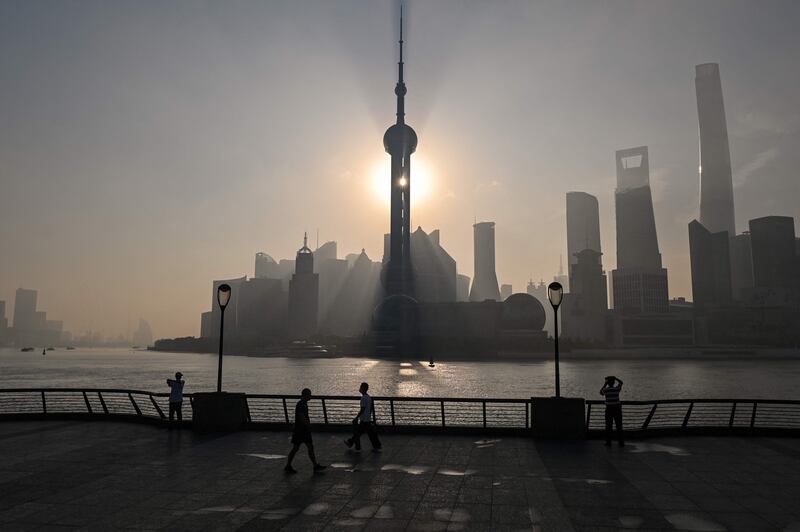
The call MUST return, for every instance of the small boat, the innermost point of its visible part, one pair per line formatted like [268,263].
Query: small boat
[301,348]
[70,348]
[51,348]
[26,349]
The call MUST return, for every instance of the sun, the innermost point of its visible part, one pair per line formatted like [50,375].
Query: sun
[421,180]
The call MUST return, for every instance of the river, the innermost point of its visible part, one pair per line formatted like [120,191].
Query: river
[760,376]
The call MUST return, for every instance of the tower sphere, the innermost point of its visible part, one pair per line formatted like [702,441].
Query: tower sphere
[400,139]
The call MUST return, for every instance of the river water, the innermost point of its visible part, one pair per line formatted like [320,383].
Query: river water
[760,376]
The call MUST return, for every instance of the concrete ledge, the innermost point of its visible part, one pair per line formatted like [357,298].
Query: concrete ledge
[558,417]
[219,411]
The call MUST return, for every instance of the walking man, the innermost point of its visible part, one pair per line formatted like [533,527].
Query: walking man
[610,390]
[363,422]
[175,397]
[302,433]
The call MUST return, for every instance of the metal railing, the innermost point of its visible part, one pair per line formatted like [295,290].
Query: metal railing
[492,415]
[273,410]
[700,415]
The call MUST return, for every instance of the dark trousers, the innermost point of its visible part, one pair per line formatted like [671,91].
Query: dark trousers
[614,415]
[361,428]
[175,408]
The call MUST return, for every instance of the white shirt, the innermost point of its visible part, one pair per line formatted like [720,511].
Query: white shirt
[366,409]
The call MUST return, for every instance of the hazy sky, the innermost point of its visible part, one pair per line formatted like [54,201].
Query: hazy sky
[149,147]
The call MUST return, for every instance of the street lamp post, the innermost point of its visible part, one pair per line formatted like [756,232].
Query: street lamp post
[223,297]
[555,293]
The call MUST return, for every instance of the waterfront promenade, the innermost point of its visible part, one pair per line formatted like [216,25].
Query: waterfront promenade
[105,475]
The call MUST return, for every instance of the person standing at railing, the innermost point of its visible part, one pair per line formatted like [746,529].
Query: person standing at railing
[176,397]
[302,433]
[363,422]
[611,389]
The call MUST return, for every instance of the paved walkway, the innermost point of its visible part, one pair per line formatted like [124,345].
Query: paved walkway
[103,476]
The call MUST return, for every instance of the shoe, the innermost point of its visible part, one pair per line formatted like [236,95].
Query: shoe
[356,450]
[377,450]
[319,467]
[289,469]
[348,443]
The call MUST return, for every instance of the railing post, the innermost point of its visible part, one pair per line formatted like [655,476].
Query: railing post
[285,411]
[324,411]
[753,415]
[135,406]
[391,407]
[442,412]
[158,408]
[686,417]
[484,413]
[247,409]
[733,413]
[649,417]
[528,407]
[102,402]
[44,404]
[588,414]
[88,405]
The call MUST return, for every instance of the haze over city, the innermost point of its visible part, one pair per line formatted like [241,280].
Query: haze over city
[150,148]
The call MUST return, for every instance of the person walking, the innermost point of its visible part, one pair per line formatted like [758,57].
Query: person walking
[176,397]
[302,433]
[611,389]
[363,422]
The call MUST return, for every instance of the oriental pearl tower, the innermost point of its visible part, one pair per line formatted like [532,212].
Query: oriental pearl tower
[400,141]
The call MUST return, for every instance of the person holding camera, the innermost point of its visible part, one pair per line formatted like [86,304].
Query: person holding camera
[611,389]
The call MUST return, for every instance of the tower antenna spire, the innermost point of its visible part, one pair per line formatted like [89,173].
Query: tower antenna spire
[400,89]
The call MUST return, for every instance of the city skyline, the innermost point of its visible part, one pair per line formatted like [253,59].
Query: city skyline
[103,227]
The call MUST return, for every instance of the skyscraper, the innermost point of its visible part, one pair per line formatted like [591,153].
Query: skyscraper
[25,318]
[716,185]
[303,295]
[639,282]
[400,141]
[583,226]
[711,267]
[484,281]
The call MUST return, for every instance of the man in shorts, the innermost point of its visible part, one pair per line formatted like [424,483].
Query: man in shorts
[302,433]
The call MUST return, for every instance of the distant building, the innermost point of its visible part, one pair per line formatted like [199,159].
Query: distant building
[711,267]
[505,291]
[332,274]
[716,183]
[358,298]
[539,291]
[267,268]
[484,283]
[3,323]
[434,270]
[775,263]
[462,287]
[143,335]
[741,267]
[25,318]
[639,283]
[583,227]
[585,308]
[327,251]
[304,295]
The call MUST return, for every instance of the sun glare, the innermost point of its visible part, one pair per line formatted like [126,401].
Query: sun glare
[421,181]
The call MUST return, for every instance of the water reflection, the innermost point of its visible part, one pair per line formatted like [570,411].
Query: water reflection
[764,376]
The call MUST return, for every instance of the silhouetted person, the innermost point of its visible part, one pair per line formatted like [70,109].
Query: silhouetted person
[176,396]
[363,422]
[610,390]
[302,433]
